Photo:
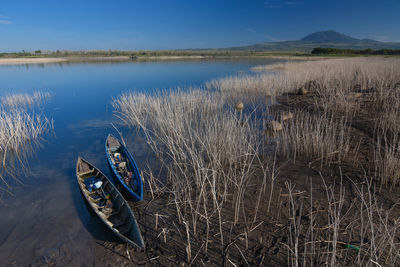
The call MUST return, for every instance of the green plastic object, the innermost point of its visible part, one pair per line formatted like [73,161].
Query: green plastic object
[352,247]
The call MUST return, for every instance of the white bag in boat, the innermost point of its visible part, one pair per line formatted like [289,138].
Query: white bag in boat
[97,184]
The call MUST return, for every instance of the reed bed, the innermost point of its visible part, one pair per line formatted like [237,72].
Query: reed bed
[341,230]
[20,134]
[317,137]
[210,151]
[337,88]
[215,146]
[248,87]
[330,76]
[17,101]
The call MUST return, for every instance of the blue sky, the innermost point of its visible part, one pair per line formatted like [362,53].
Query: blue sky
[163,24]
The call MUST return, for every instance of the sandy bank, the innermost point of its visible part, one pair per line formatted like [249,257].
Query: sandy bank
[169,57]
[99,58]
[129,58]
[12,61]
[288,57]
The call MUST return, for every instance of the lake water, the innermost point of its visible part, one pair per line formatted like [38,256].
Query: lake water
[47,217]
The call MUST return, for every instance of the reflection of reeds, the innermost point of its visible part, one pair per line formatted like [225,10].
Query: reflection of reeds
[20,133]
[24,100]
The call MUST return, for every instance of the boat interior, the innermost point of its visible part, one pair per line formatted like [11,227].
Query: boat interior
[106,200]
[121,162]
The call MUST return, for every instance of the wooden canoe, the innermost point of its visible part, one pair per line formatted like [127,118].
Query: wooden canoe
[108,203]
[124,168]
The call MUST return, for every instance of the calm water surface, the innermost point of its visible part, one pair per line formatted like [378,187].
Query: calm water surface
[47,217]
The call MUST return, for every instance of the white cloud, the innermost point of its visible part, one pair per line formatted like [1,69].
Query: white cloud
[272,38]
[384,38]
[272,4]
[5,21]
[293,3]
[251,30]
[281,4]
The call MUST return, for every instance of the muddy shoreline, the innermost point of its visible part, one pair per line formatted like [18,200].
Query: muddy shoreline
[260,239]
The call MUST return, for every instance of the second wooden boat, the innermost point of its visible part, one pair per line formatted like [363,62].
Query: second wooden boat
[108,203]
[124,168]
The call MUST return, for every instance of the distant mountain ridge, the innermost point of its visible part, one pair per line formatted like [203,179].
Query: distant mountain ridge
[329,38]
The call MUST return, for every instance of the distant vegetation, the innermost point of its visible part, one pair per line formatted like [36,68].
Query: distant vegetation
[323,39]
[338,51]
[139,53]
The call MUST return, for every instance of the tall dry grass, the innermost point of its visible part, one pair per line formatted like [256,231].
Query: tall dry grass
[341,230]
[319,138]
[210,151]
[20,134]
[387,133]
[248,87]
[341,88]
[17,101]
[359,231]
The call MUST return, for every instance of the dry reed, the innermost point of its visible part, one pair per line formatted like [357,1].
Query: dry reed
[16,101]
[341,89]
[316,137]
[212,153]
[341,231]
[209,155]
[20,134]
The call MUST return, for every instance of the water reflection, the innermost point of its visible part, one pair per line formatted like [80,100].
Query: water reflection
[48,214]
[21,133]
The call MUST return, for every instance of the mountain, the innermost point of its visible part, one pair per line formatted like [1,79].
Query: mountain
[330,38]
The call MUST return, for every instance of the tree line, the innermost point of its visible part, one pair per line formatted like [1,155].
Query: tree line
[113,53]
[340,51]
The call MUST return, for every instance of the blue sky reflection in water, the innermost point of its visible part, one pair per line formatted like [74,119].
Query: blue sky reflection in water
[48,213]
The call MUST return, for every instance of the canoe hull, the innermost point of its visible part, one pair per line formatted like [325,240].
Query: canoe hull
[114,149]
[107,203]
